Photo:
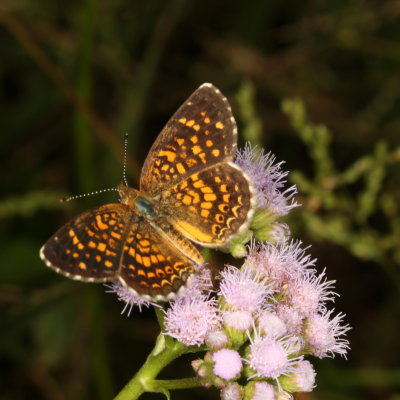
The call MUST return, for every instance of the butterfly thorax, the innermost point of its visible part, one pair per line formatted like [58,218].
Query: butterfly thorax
[137,200]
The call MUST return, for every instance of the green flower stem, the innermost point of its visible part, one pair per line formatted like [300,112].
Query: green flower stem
[165,351]
[160,317]
[184,383]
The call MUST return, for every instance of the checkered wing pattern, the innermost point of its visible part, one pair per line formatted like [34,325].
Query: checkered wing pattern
[189,189]
[200,134]
[190,172]
[155,262]
[89,247]
[211,206]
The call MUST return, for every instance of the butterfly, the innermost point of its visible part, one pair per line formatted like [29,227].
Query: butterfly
[191,192]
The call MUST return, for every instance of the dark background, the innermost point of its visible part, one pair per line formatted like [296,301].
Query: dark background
[74,76]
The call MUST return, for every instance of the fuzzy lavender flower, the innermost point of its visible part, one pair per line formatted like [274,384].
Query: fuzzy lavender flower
[280,262]
[271,358]
[216,339]
[292,319]
[270,324]
[200,282]
[257,390]
[227,364]
[309,293]
[232,391]
[244,289]
[268,179]
[302,379]
[324,336]
[190,319]
[238,320]
[279,232]
[297,258]
[129,297]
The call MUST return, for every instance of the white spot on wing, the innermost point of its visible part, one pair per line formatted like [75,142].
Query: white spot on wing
[206,84]
[159,297]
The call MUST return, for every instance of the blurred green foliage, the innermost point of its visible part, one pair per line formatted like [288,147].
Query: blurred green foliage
[76,75]
[331,214]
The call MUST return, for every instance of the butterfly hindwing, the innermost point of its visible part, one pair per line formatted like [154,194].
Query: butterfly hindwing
[156,263]
[210,206]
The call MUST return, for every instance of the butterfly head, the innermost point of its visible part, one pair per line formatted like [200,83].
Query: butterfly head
[137,200]
[128,195]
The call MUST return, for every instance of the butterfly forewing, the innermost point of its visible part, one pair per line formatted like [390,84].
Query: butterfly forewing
[201,133]
[89,247]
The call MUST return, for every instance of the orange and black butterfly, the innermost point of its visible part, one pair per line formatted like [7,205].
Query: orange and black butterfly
[190,191]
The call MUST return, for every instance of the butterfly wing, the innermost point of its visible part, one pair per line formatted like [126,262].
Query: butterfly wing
[112,241]
[157,260]
[192,183]
[201,133]
[89,247]
[190,173]
[211,206]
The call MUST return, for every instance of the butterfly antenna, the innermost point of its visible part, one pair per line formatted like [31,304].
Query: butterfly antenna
[117,189]
[66,199]
[125,156]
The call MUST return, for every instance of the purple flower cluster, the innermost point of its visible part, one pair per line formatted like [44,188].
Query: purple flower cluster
[273,311]
[261,323]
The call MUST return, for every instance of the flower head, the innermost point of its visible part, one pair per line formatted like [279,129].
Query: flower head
[292,319]
[302,379]
[270,324]
[216,339]
[129,297]
[268,179]
[280,262]
[324,336]
[190,319]
[201,282]
[244,289]
[237,320]
[258,390]
[271,358]
[279,232]
[232,391]
[228,364]
[308,293]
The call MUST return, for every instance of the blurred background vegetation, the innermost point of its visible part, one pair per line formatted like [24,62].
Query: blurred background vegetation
[315,82]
